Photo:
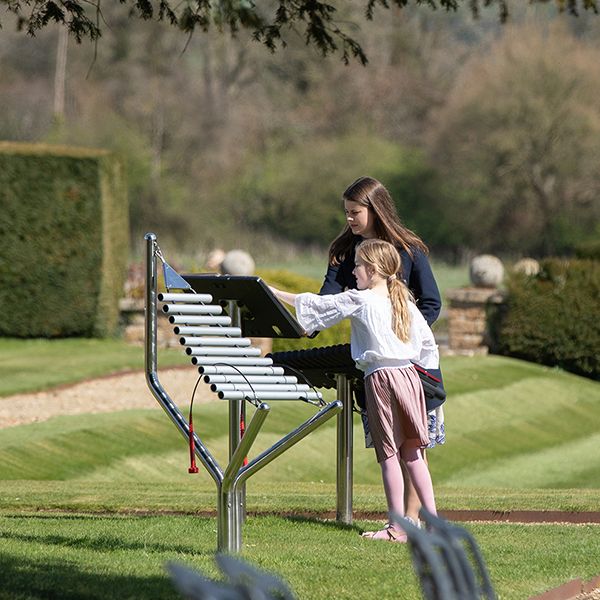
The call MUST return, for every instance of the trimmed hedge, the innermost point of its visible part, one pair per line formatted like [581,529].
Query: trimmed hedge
[64,241]
[589,249]
[553,318]
[290,282]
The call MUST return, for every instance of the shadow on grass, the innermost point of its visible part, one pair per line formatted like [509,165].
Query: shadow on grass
[62,580]
[330,524]
[102,543]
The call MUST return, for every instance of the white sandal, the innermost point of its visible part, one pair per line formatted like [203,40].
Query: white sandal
[388,534]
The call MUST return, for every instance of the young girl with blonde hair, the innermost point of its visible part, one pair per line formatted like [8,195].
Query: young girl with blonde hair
[371,213]
[388,335]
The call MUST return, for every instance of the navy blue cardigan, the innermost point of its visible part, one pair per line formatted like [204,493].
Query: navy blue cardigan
[416,273]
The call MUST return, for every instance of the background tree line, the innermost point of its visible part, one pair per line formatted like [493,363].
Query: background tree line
[486,134]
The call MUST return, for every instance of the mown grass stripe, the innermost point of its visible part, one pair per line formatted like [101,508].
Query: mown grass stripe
[555,467]
[485,430]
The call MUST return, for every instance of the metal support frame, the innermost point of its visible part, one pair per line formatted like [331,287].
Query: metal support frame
[230,500]
[344,450]
[237,414]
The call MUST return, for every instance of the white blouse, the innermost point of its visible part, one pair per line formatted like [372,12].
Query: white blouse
[374,345]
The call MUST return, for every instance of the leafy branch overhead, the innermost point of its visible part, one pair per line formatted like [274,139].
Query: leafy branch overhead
[268,22]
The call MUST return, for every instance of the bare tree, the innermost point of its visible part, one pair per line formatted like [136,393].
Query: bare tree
[269,23]
[519,139]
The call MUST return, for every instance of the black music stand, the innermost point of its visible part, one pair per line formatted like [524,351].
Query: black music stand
[260,312]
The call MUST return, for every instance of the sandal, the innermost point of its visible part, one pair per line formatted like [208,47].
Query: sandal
[389,534]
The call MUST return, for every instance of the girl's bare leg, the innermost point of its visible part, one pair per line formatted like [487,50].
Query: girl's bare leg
[411,498]
[393,484]
[419,474]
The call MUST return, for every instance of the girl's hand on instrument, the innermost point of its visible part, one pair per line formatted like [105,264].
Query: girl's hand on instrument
[286,297]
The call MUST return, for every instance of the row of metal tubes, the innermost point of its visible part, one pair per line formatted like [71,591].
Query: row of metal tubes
[228,482]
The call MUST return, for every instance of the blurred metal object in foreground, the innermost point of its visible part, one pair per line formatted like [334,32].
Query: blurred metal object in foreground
[447,561]
[244,582]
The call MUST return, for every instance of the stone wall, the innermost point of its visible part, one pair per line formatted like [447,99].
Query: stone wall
[133,323]
[467,319]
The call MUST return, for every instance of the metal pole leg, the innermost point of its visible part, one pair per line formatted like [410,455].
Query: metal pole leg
[344,451]
[237,413]
[230,523]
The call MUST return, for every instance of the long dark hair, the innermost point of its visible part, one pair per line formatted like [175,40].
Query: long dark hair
[371,193]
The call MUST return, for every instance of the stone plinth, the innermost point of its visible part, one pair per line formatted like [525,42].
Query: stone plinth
[134,328]
[467,325]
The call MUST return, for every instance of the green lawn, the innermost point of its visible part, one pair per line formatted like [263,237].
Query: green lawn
[520,436]
[37,364]
[510,424]
[93,556]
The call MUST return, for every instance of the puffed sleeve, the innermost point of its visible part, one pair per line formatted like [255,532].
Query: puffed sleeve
[424,288]
[424,342]
[315,312]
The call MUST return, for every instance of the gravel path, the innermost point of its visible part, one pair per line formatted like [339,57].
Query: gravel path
[106,394]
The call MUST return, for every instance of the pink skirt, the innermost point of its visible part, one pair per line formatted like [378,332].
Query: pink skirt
[396,410]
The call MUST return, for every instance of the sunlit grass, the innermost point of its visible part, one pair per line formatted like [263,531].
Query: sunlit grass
[500,434]
[87,556]
[520,437]
[37,364]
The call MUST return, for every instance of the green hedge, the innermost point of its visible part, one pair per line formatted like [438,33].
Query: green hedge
[64,241]
[588,250]
[290,282]
[553,318]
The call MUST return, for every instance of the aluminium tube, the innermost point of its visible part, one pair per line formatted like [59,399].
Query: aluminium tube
[151,361]
[187,298]
[239,370]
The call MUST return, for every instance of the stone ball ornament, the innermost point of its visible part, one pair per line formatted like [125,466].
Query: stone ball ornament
[486,271]
[527,266]
[237,262]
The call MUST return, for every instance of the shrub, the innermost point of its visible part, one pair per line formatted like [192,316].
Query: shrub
[64,241]
[552,318]
[589,249]
[296,191]
[290,282]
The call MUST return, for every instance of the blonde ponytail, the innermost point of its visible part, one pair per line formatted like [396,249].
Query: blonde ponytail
[384,257]
[399,298]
